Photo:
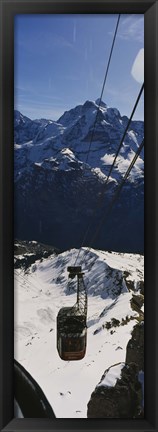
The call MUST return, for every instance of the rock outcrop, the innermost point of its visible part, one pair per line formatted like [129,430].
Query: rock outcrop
[135,346]
[121,400]
[120,393]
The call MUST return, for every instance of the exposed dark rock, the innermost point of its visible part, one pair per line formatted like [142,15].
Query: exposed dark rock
[135,346]
[140,286]
[137,302]
[129,282]
[123,400]
[115,322]
[31,252]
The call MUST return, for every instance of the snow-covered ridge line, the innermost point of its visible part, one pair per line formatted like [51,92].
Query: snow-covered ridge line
[113,374]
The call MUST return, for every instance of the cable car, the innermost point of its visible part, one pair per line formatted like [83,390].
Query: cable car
[71,323]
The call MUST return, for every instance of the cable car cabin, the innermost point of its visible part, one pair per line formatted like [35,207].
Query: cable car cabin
[71,334]
[71,322]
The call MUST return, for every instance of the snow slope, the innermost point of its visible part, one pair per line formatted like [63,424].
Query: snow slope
[39,294]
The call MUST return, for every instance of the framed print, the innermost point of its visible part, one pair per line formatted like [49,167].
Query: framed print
[78,215]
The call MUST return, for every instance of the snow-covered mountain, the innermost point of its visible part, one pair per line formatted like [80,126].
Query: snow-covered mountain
[42,289]
[60,179]
[26,129]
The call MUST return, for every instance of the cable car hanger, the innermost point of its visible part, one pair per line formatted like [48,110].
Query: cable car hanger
[71,322]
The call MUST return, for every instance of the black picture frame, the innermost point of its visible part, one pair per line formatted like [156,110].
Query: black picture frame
[8,9]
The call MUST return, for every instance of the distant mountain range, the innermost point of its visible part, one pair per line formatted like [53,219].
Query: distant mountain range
[60,179]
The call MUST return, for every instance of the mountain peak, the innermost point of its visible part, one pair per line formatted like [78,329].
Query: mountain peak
[88,104]
[100,103]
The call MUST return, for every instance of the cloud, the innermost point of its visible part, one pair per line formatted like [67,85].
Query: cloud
[137,70]
[132,28]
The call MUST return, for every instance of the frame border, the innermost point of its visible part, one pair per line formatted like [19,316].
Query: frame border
[9,8]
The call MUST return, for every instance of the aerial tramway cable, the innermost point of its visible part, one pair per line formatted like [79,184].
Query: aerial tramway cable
[117,192]
[126,129]
[102,91]
[103,86]
[110,171]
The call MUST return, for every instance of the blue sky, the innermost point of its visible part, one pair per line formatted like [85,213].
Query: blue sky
[60,62]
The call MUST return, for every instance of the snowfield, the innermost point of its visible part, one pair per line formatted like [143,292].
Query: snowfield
[39,294]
